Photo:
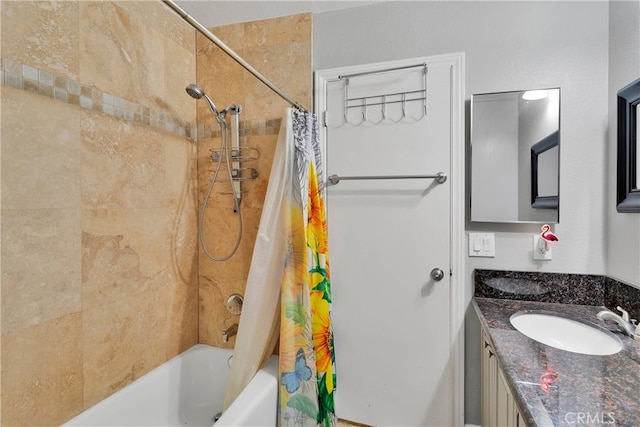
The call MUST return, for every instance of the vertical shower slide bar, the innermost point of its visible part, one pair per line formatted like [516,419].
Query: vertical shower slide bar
[236,180]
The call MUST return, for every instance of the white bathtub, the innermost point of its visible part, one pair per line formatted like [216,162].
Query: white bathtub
[188,390]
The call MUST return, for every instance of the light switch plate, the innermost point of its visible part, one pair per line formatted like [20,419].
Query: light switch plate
[482,245]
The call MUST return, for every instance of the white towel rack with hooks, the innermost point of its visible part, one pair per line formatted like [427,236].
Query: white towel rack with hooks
[364,103]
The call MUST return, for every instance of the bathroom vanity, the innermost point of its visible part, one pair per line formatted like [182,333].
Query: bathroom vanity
[528,383]
[498,405]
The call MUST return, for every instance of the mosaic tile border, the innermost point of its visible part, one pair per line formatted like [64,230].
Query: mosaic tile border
[246,128]
[31,79]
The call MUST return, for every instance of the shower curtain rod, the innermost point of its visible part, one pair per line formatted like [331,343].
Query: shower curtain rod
[208,34]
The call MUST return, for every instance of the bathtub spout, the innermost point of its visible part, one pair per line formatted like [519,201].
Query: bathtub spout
[229,332]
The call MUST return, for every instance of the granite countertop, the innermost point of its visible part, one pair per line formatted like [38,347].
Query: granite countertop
[588,390]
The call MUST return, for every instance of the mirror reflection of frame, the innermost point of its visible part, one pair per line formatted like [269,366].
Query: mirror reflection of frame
[628,179]
[515,139]
[544,163]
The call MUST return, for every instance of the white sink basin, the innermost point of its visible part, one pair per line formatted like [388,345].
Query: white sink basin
[566,334]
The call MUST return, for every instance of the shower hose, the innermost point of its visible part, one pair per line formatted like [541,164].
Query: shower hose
[224,148]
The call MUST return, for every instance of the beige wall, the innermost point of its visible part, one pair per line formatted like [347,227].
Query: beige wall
[281,50]
[99,281]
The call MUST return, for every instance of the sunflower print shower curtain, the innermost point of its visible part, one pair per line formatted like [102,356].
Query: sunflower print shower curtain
[307,374]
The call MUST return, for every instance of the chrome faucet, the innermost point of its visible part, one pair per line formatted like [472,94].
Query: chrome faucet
[629,327]
[229,332]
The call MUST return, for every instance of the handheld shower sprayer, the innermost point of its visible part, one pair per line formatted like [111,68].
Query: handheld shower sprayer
[196,92]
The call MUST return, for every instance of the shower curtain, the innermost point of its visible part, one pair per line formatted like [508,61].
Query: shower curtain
[290,263]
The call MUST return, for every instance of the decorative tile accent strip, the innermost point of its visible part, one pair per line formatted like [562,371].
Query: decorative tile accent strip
[25,77]
[246,128]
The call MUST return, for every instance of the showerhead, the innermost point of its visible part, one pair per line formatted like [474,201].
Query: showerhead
[196,92]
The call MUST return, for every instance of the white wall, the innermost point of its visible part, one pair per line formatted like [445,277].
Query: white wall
[623,237]
[508,46]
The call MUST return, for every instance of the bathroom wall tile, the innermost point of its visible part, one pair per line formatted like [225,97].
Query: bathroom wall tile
[123,163]
[214,317]
[282,30]
[205,145]
[253,190]
[154,14]
[267,45]
[233,35]
[181,168]
[182,210]
[220,196]
[177,29]
[179,71]
[41,152]
[42,373]
[124,253]
[41,277]
[182,245]
[256,189]
[219,280]
[222,78]
[220,228]
[123,340]
[122,288]
[182,317]
[210,299]
[119,55]
[295,79]
[42,34]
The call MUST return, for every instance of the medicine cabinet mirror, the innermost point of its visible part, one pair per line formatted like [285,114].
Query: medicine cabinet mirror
[515,156]
[628,185]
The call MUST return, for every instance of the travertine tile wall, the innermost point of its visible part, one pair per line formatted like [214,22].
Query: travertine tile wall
[98,193]
[281,50]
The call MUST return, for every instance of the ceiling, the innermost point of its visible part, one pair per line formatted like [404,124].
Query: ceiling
[212,13]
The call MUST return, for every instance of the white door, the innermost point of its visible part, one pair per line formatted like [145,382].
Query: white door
[392,319]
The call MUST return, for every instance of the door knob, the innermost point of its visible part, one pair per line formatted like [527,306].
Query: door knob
[437,274]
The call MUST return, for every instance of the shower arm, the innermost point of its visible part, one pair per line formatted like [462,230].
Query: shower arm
[208,34]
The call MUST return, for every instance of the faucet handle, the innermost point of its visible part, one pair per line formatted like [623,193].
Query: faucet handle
[625,315]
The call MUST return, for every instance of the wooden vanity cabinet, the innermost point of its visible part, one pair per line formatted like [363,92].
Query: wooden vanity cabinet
[498,406]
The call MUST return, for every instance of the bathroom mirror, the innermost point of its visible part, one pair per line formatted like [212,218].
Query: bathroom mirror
[628,179]
[515,156]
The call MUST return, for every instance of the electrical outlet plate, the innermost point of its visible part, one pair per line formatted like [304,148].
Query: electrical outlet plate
[537,253]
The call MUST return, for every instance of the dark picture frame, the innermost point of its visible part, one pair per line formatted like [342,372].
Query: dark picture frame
[542,202]
[628,189]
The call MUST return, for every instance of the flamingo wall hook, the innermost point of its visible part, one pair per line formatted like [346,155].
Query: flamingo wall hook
[547,236]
